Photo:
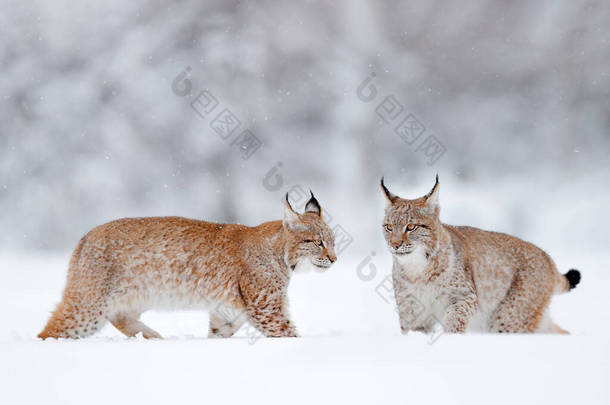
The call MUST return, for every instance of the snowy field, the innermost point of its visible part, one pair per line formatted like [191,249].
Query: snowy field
[351,350]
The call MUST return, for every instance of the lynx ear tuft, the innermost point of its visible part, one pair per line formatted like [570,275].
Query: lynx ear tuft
[313,205]
[290,215]
[431,198]
[390,197]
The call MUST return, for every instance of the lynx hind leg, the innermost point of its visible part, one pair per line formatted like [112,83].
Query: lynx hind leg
[557,329]
[74,321]
[130,326]
[82,311]
[524,307]
[548,326]
[224,325]
[552,327]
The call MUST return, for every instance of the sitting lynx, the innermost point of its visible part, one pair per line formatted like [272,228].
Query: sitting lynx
[126,267]
[465,278]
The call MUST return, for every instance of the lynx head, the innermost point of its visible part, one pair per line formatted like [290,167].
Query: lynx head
[308,238]
[411,225]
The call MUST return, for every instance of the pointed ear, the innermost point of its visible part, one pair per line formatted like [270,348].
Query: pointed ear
[290,215]
[313,205]
[389,196]
[432,201]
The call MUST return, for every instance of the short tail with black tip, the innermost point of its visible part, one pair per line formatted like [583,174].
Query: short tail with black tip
[573,277]
[568,281]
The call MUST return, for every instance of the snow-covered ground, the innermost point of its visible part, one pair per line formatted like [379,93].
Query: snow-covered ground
[351,350]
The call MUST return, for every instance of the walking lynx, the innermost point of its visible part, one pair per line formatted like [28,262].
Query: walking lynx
[465,278]
[125,267]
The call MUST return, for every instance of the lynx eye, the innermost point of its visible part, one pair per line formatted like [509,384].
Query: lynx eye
[387,227]
[316,242]
[411,227]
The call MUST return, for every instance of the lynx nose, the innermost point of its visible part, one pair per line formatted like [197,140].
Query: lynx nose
[329,254]
[395,245]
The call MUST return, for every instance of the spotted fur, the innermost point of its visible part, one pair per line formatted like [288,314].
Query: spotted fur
[464,278]
[239,273]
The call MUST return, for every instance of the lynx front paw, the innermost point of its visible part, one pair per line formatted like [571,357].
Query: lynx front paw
[405,329]
[285,329]
[288,330]
[222,329]
[151,334]
[454,324]
[282,333]
[289,335]
[215,333]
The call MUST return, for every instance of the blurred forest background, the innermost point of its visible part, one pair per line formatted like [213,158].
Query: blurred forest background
[96,123]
